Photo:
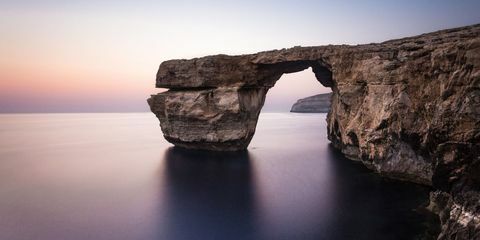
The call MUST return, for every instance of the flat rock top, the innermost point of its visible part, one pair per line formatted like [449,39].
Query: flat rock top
[239,70]
[303,53]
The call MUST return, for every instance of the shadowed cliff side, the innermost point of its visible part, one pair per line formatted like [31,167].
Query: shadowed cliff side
[407,108]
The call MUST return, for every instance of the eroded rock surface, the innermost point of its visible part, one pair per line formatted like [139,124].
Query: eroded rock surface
[221,119]
[406,108]
[319,103]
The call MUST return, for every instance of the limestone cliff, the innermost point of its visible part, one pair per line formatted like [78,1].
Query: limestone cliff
[406,108]
[319,103]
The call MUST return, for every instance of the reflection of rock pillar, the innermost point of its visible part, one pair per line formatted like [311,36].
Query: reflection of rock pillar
[215,118]
[208,194]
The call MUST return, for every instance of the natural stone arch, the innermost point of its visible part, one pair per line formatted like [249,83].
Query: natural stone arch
[384,98]
[218,103]
[406,108]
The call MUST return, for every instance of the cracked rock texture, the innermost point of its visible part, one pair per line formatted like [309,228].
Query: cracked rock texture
[407,108]
[319,103]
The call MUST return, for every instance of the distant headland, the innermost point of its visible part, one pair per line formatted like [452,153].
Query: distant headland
[319,103]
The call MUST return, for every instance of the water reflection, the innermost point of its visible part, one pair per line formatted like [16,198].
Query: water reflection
[208,195]
[368,205]
[112,176]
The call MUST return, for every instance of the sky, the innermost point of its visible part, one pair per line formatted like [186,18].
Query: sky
[102,56]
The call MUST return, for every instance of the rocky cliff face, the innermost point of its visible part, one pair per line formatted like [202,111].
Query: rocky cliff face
[319,103]
[406,108]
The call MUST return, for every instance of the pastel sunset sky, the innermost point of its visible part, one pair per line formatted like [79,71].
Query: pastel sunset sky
[102,56]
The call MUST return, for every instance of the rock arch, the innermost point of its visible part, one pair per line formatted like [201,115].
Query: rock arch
[407,108]
[214,102]
[384,95]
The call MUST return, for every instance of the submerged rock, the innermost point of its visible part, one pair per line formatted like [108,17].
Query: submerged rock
[319,103]
[407,108]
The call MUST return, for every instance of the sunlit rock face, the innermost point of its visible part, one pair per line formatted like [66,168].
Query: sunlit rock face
[407,108]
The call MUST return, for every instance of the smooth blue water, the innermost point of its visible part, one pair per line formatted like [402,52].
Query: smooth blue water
[113,176]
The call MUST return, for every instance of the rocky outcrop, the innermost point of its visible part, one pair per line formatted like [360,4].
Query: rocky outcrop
[406,108]
[319,103]
[460,216]
[221,119]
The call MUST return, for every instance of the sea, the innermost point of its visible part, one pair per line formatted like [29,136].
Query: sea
[113,176]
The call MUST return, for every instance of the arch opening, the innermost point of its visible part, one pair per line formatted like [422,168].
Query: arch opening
[211,111]
[275,71]
[298,80]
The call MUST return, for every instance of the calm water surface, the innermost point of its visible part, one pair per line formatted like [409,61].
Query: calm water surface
[113,176]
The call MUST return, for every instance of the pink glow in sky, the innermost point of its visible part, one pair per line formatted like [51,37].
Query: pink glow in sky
[102,56]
